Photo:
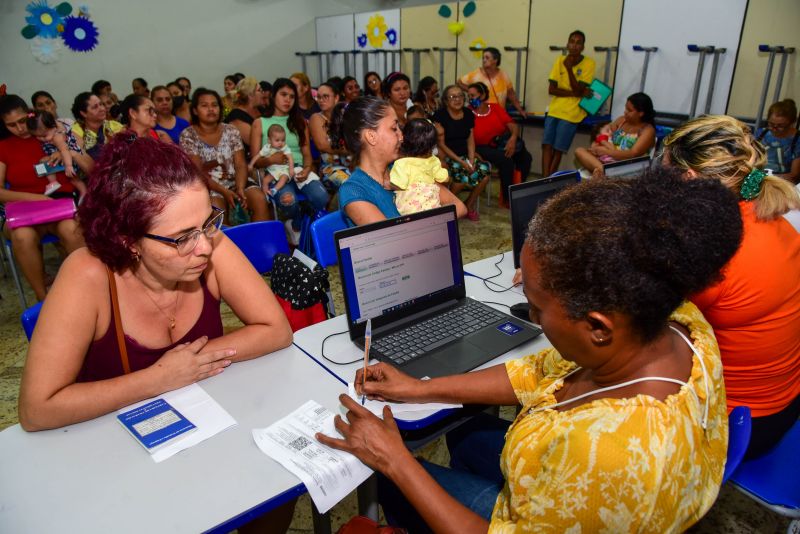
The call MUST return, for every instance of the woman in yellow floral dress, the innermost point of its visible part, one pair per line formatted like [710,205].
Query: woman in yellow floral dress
[623,426]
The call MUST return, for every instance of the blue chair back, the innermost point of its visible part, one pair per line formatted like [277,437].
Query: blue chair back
[322,231]
[739,424]
[29,318]
[259,241]
[772,479]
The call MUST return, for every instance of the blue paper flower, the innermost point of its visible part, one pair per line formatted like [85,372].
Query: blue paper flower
[362,40]
[44,18]
[80,34]
[391,35]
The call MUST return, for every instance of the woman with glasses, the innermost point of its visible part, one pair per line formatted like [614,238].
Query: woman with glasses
[454,124]
[335,159]
[373,84]
[218,151]
[782,140]
[139,115]
[147,291]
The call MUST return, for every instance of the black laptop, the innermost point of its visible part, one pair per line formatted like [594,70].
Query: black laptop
[525,198]
[627,168]
[406,275]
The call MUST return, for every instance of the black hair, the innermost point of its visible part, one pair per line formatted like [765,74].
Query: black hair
[390,80]
[9,103]
[239,75]
[578,32]
[202,91]
[141,81]
[39,94]
[367,90]
[415,108]
[275,128]
[348,79]
[99,86]
[495,53]
[38,118]
[481,88]
[265,86]
[179,78]
[359,115]
[336,83]
[643,103]
[637,247]
[419,138]
[424,85]
[81,104]
[235,78]
[130,102]
[296,122]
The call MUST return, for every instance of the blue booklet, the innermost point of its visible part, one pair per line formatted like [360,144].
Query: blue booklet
[155,424]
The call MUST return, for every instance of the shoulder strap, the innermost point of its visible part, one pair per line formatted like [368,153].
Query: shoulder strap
[123,352]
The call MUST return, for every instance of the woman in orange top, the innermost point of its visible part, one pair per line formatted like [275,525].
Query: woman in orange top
[755,309]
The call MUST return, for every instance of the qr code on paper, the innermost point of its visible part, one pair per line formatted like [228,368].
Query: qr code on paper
[299,444]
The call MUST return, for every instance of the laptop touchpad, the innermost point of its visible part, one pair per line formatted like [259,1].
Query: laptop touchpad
[460,357]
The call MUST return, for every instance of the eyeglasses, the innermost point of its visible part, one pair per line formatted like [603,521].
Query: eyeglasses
[151,111]
[459,96]
[187,242]
[778,126]
[324,97]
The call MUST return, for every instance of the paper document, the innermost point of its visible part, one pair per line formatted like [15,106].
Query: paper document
[197,406]
[329,475]
[398,408]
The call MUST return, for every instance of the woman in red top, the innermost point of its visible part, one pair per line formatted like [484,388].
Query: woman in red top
[19,152]
[138,113]
[755,309]
[491,122]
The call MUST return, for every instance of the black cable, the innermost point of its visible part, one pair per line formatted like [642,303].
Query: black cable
[322,350]
[499,272]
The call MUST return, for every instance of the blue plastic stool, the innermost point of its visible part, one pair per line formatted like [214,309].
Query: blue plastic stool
[739,425]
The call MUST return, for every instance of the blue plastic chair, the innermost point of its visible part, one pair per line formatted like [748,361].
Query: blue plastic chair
[46,240]
[739,425]
[29,318]
[322,231]
[773,480]
[259,241]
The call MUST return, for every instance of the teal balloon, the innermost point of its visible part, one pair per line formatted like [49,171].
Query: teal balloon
[469,9]
[30,31]
[64,9]
[444,11]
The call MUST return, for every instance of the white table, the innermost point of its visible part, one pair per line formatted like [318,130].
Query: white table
[498,275]
[94,477]
[341,349]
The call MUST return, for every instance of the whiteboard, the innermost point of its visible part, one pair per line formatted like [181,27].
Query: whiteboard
[671,72]
[333,33]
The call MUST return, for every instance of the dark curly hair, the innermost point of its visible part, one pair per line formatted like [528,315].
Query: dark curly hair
[419,138]
[129,186]
[637,247]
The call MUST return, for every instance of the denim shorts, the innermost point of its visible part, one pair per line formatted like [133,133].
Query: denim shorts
[559,133]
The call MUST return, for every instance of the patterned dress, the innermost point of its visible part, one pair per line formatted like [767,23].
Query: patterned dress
[613,465]
[230,142]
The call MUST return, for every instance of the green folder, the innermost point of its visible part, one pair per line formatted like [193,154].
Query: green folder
[600,93]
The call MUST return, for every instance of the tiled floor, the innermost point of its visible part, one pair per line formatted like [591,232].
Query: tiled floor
[732,513]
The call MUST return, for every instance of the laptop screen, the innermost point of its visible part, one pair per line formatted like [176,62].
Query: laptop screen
[525,199]
[400,266]
[628,168]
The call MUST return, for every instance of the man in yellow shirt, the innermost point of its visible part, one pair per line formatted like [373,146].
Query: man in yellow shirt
[569,82]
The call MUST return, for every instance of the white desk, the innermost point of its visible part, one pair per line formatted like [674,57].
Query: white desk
[341,349]
[499,275]
[94,477]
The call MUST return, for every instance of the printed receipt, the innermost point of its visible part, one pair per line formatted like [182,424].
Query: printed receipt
[329,475]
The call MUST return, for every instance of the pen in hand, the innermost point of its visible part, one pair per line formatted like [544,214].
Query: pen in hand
[367,340]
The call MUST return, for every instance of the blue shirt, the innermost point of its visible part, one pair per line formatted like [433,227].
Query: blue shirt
[360,187]
[175,132]
[780,153]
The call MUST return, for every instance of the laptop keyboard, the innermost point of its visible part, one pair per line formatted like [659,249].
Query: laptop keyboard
[412,342]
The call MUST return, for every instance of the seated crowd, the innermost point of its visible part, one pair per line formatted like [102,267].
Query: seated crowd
[668,299]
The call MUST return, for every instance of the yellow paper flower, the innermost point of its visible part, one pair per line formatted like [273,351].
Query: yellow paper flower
[376,31]
[478,43]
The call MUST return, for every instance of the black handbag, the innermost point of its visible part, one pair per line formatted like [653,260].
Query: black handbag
[294,282]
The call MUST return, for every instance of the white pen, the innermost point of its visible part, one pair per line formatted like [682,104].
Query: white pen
[367,340]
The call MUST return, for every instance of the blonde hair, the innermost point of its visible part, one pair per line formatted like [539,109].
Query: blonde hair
[303,77]
[244,90]
[721,147]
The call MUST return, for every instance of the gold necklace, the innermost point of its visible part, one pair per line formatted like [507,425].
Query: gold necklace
[170,318]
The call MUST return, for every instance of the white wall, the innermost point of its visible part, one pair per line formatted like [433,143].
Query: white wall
[160,40]
[671,73]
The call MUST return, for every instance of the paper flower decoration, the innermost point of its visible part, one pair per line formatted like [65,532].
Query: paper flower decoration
[46,50]
[80,34]
[445,11]
[455,28]
[391,36]
[362,40]
[469,8]
[480,44]
[376,31]
[43,20]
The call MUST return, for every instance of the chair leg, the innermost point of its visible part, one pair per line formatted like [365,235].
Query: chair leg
[15,274]
[331,307]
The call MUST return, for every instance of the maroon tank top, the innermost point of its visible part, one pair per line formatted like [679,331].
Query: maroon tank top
[104,361]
